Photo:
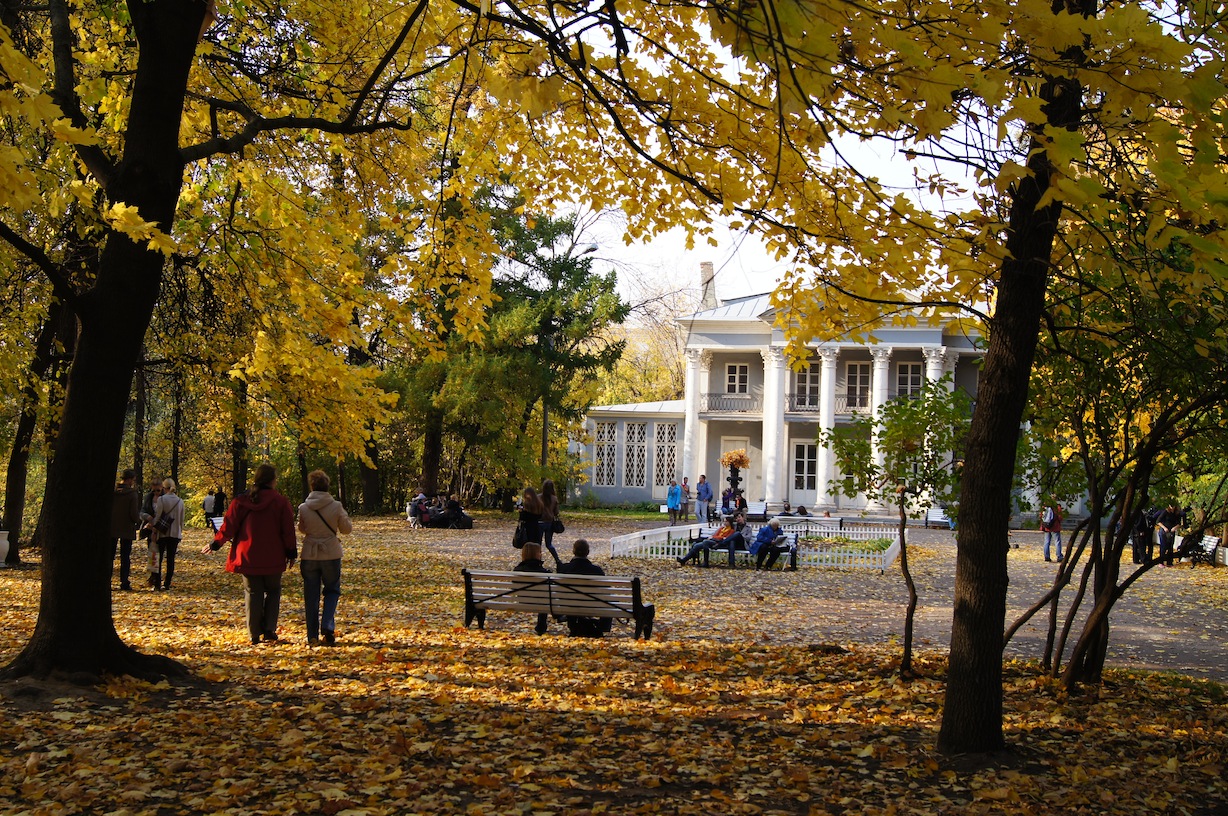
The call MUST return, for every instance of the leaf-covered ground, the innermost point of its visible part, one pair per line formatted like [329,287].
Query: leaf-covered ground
[762,693]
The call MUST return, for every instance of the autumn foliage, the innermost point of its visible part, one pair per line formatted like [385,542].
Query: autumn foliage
[718,714]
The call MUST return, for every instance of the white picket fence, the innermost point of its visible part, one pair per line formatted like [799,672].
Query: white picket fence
[674,542]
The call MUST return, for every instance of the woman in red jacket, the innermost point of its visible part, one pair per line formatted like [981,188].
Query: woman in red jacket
[259,525]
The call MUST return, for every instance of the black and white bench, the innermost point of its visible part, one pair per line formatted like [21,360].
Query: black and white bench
[588,596]
[1202,552]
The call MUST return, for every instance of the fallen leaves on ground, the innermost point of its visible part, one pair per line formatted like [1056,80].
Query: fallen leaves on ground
[411,713]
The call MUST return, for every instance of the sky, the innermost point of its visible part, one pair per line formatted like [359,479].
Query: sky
[743,266]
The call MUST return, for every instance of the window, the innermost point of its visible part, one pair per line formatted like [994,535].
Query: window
[805,466]
[635,469]
[857,385]
[808,387]
[909,378]
[737,379]
[665,462]
[605,452]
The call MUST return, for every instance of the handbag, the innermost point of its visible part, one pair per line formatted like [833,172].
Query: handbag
[164,522]
[518,537]
[558,526]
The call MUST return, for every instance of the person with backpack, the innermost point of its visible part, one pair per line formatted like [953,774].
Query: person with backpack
[167,527]
[1051,526]
[320,519]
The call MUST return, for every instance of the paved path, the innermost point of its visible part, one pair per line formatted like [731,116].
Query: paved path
[1174,619]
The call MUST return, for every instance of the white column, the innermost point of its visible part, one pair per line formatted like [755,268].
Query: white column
[700,437]
[827,420]
[691,398]
[878,398]
[935,362]
[773,422]
[952,358]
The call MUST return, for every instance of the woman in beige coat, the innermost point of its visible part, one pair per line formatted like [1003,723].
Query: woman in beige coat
[320,519]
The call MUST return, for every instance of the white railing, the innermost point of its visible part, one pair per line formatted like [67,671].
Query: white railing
[660,542]
[674,542]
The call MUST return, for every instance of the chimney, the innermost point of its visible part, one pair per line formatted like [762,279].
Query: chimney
[707,286]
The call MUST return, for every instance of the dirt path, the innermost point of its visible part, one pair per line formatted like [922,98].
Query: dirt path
[1172,619]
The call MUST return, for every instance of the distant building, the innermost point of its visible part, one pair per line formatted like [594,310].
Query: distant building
[740,393]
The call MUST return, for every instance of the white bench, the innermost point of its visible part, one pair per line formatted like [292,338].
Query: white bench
[552,593]
[1202,552]
[756,511]
[937,515]
[215,522]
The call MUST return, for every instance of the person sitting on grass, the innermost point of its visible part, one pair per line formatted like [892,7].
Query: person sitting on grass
[768,544]
[580,565]
[728,536]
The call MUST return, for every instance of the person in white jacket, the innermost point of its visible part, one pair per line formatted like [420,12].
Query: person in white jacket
[320,519]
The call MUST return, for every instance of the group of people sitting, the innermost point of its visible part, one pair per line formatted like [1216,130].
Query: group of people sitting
[531,561]
[768,544]
[438,511]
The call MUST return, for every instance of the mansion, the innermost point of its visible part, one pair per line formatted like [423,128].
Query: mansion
[740,392]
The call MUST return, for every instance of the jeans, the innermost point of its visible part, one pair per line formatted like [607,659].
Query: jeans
[167,547]
[319,575]
[1167,539]
[124,546]
[701,511]
[1053,535]
[547,528]
[262,598]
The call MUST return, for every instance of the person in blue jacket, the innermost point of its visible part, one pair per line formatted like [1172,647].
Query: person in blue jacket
[673,502]
[703,499]
[768,544]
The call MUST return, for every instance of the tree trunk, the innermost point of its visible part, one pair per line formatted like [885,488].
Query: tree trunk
[911,612]
[972,713]
[372,486]
[75,634]
[301,456]
[238,443]
[432,451]
[27,422]
[176,423]
[138,423]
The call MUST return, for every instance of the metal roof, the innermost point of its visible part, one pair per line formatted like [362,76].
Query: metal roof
[659,407]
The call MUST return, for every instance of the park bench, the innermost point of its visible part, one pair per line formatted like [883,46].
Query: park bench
[587,596]
[939,517]
[1200,552]
[215,522]
[756,511]
[741,553]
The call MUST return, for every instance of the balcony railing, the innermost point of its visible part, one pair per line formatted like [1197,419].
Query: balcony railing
[804,403]
[730,403]
[852,403]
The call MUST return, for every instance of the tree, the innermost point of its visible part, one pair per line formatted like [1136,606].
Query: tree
[906,456]
[1133,376]
[1021,121]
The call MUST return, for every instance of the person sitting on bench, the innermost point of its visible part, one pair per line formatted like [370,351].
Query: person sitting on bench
[728,536]
[531,561]
[769,542]
[580,565]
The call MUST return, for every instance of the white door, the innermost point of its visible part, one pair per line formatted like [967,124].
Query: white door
[750,484]
[803,472]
